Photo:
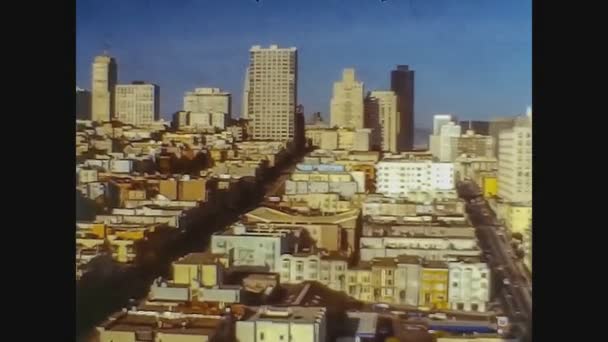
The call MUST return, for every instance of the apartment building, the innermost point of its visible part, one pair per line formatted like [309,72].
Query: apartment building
[272,92]
[398,177]
[434,285]
[515,162]
[294,323]
[137,103]
[470,284]
[252,248]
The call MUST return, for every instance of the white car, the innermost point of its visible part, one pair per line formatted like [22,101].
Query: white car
[438,316]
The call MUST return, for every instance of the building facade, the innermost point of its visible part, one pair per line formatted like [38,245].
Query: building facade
[208,107]
[104,78]
[515,164]
[402,84]
[398,177]
[388,121]
[137,103]
[83,104]
[469,286]
[272,98]
[347,102]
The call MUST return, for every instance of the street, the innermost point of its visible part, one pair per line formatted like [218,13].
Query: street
[514,286]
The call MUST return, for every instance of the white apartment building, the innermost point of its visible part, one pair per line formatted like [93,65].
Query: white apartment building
[137,103]
[272,97]
[442,145]
[251,248]
[293,324]
[428,247]
[398,177]
[469,288]
[515,163]
[296,268]
[104,77]
[347,102]
[208,107]
[388,119]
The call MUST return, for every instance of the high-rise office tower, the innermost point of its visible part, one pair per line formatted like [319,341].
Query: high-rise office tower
[383,105]
[515,162]
[245,99]
[103,88]
[496,126]
[273,92]
[402,83]
[438,121]
[83,104]
[442,144]
[137,103]
[208,107]
[347,102]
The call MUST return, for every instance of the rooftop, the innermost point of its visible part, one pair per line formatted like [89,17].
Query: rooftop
[155,321]
[199,258]
[295,314]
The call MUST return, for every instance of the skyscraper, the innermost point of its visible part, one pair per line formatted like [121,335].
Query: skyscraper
[402,83]
[383,103]
[137,103]
[347,102]
[439,120]
[273,92]
[515,162]
[83,104]
[245,99]
[103,88]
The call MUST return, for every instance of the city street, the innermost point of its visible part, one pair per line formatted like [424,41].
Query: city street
[513,281]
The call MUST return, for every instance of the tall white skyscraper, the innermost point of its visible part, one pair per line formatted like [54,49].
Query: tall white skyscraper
[273,89]
[137,103]
[515,162]
[442,144]
[104,77]
[347,102]
[382,110]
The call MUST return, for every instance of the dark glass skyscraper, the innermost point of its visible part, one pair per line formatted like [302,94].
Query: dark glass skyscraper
[402,83]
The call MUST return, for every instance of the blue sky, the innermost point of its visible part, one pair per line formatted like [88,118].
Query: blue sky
[473,58]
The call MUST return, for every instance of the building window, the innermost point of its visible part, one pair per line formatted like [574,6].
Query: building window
[262,336]
[474,307]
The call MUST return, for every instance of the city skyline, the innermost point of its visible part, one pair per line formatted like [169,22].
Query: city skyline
[472,60]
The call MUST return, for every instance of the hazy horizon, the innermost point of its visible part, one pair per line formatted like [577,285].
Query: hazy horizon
[472,58]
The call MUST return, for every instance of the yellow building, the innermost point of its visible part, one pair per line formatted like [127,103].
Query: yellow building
[205,269]
[359,282]
[517,216]
[489,186]
[434,285]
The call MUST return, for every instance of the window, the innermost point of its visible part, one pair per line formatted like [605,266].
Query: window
[484,275]
[262,336]
[454,284]
[474,307]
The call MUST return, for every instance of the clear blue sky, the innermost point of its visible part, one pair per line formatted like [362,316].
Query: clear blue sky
[472,58]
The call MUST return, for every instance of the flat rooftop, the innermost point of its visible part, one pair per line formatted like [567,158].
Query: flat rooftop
[162,322]
[295,314]
[199,258]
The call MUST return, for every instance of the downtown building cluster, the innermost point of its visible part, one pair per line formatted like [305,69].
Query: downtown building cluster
[360,219]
